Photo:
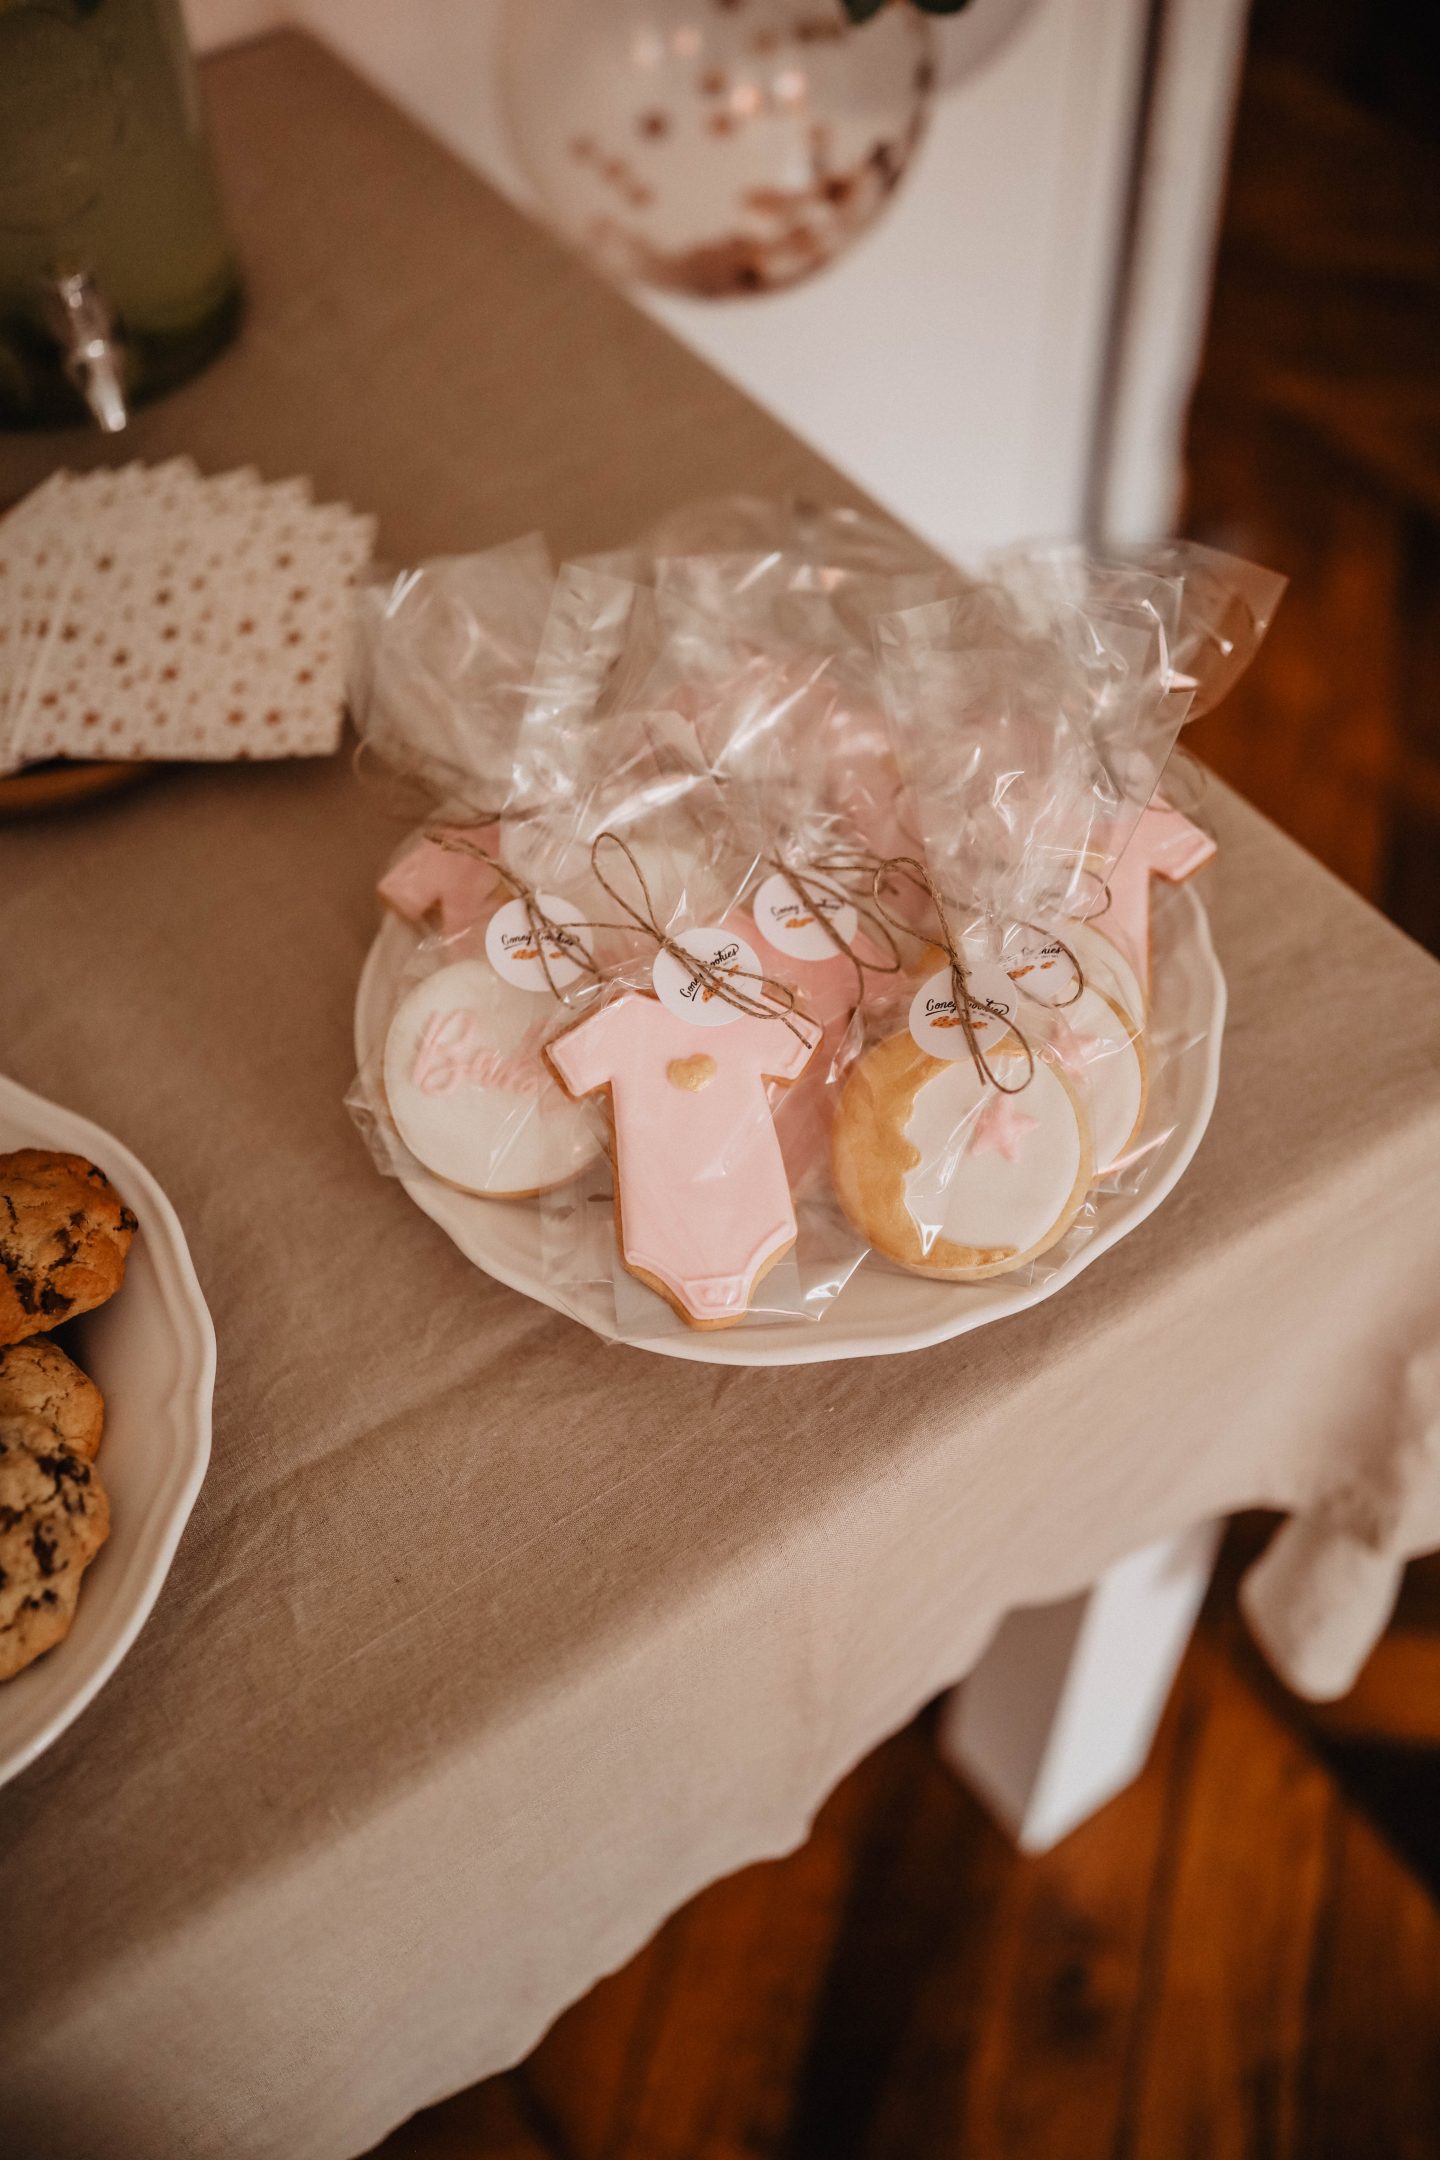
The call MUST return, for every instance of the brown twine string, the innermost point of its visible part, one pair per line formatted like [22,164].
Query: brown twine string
[804,890]
[538,923]
[1106,904]
[717,982]
[910,867]
[857,870]
[876,868]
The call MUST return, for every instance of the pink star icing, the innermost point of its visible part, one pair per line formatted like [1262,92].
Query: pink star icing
[1075,1049]
[1001,1127]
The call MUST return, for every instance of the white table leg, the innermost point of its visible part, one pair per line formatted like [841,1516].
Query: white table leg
[1059,1714]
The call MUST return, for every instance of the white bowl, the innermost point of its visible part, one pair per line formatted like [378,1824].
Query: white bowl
[151,1351]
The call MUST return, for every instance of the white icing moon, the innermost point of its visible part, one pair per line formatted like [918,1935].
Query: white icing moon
[972,1193]
[469,1092]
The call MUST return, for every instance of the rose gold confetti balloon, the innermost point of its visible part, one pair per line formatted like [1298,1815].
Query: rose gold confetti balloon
[715,147]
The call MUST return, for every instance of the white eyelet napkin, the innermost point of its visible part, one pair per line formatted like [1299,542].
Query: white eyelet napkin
[148,612]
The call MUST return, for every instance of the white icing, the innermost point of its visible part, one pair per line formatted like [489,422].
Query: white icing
[1099,1050]
[979,1197]
[1105,966]
[470,1095]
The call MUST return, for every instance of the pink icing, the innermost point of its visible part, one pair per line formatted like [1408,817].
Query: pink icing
[704,1199]
[829,990]
[1001,1127]
[429,877]
[450,1054]
[1075,1049]
[1163,844]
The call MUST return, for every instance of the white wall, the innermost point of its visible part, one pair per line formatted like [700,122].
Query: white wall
[953,360]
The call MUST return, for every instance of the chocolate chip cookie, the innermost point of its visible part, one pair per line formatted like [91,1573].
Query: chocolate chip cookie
[64,1234]
[38,1380]
[54,1517]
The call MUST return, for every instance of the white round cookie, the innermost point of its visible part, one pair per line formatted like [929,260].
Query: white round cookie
[1101,1050]
[470,1094]
[948,1176]
[1105,966]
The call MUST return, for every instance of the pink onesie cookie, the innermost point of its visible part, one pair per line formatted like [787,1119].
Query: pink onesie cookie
[457,886]
[702,1201]
[828,984]
[1163,844]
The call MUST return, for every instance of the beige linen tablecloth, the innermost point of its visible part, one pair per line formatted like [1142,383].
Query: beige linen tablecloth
[489,1644]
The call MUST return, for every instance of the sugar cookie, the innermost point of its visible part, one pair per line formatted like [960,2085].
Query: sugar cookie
[702,1201]
[945,1174]
[1093,1035]
[1105,965]
[804,955]
[469,1091]
[1103,1053]
[1163,844]
[450,883]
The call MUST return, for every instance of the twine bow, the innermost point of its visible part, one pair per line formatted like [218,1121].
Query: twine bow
[542,929]
[966,1004]
[779,1000]
[813,895]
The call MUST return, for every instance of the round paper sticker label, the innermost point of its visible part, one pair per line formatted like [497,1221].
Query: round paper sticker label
[513,950]
[786,920]
[935,1024]
[1038,963]
[687,996]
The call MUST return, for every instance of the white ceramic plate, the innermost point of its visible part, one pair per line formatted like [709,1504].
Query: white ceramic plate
[880,1311]
[151,1350]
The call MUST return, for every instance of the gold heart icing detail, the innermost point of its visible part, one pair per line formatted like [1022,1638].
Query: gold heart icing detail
[692,1072]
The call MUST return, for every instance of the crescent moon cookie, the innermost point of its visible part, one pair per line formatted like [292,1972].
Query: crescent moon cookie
[702,1201]
[946,1174]
[470,1093]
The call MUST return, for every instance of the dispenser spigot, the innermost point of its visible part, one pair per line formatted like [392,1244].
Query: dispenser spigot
[90,346]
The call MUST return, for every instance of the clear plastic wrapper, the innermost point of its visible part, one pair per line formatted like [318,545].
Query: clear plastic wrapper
[1026,1078]
[783,903]
[784,646]
[443,667]
[807,534]
[690,1050]
[692,1039]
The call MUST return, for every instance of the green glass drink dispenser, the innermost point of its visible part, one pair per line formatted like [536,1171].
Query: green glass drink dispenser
[116,277]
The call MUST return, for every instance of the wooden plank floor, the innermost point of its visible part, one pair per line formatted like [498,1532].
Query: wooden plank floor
[1238,1959]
